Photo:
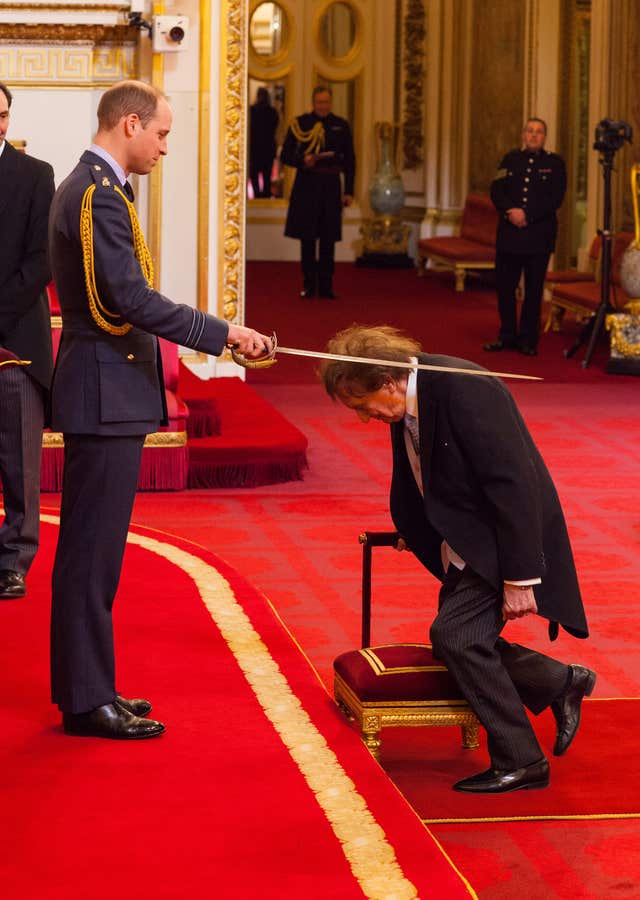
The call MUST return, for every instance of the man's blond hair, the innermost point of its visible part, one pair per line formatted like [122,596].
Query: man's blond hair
[348,379]
[126,98]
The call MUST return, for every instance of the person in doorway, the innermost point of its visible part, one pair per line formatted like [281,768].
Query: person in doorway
[527,192]
[263,124]
[474,501]
[108,394]
[26,190]
[320,147]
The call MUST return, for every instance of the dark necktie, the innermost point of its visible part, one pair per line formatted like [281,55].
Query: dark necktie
[128,190]
[411,425]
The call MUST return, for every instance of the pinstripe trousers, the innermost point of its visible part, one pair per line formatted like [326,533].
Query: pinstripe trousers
[21,424]
[497,678]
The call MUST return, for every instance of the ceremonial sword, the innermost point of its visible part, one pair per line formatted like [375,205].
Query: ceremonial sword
[270,360]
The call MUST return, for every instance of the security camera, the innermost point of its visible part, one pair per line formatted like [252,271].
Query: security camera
[170,33]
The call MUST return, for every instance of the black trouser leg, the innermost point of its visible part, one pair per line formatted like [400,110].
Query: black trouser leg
[535,270]
[508,269]
[539,679]
[309,266]
[326,267]
[21,424]
[99,486]
[465,635]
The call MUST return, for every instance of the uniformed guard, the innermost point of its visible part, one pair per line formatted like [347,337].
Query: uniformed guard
[107,395]
[319,145]
[527,192]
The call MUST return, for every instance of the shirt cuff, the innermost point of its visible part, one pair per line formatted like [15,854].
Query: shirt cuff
[526,583]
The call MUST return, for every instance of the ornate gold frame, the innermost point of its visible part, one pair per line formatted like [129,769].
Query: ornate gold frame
[355,50]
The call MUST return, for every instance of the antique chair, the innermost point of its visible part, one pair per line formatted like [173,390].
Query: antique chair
[396,684]
[473,249]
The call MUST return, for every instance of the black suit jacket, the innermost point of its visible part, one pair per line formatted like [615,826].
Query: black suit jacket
[103,383]
[536,183]
[26,189]
[487,491]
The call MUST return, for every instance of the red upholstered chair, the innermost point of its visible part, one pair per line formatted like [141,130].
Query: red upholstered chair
[396,684]
[583,297]
[474,248]
[561,277]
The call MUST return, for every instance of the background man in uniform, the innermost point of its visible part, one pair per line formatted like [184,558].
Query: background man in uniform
[26,189]
[527,191]
[108,394]
[263,124]
[474,501]
[319,145]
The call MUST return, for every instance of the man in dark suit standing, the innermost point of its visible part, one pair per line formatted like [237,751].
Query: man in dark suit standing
[108,394]
[474,501]
[26,189]
[263,124]
[527,192]
[319,145]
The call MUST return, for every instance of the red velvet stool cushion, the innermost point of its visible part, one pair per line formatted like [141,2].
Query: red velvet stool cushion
[395,672]
[458,248]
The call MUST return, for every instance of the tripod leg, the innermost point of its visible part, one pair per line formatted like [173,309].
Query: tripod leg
[585,331]
[598,322]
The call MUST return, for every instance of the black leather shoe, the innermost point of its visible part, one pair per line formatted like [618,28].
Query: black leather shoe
[12,585]
[566,709]
[527,350]
[498,345]
[307,295]
[499,781]
[328,295]
[111,721]
[136,706]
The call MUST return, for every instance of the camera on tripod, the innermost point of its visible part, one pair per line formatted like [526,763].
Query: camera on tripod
[611,135]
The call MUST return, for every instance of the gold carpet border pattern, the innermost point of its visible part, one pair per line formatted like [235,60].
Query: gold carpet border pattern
[364,843]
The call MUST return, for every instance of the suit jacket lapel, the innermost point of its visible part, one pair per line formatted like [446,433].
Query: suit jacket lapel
[426,420]
[7,170]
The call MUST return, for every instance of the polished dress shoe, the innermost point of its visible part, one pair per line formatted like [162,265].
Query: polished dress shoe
[566,709]
[527,350]
[307,294]
[111,721]
[136,706]
[500,781]
[497,346]
[12,585]
[328,295]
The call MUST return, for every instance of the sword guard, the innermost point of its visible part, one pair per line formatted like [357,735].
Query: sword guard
[262,362]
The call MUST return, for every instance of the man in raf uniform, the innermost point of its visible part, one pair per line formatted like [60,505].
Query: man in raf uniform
[26,189]
[319,145]
[108,394]
[527,192]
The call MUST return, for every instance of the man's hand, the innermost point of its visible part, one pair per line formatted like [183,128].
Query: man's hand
[518,602]
[400,545]
[250,343]
[517,217]
[347,200]
[310,160]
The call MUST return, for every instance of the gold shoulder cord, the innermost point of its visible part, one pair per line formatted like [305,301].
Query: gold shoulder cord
[97,308]
[314,137]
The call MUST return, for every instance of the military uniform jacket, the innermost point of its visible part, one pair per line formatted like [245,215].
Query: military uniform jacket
[536,183]
[26,189]
[104,383]
[315,207]
[487,491]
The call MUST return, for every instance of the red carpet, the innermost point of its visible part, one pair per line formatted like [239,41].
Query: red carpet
[256,789]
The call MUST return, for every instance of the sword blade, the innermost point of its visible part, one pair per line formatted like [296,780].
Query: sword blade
[316,354]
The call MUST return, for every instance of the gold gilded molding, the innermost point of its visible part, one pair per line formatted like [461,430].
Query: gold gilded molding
[414,33]
[156,440]
[233,78]
[78,66]
[204,157]
[66,34]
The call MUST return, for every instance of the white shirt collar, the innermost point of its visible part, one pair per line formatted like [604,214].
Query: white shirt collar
[2,146]
[117,168]
[411,398]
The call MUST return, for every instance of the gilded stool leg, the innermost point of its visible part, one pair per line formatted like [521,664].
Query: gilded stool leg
[370,732]
[459,279]
[470,739]
[422,265]
[556,316]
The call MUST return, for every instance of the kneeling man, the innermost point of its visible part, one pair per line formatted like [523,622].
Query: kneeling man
[475,503]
